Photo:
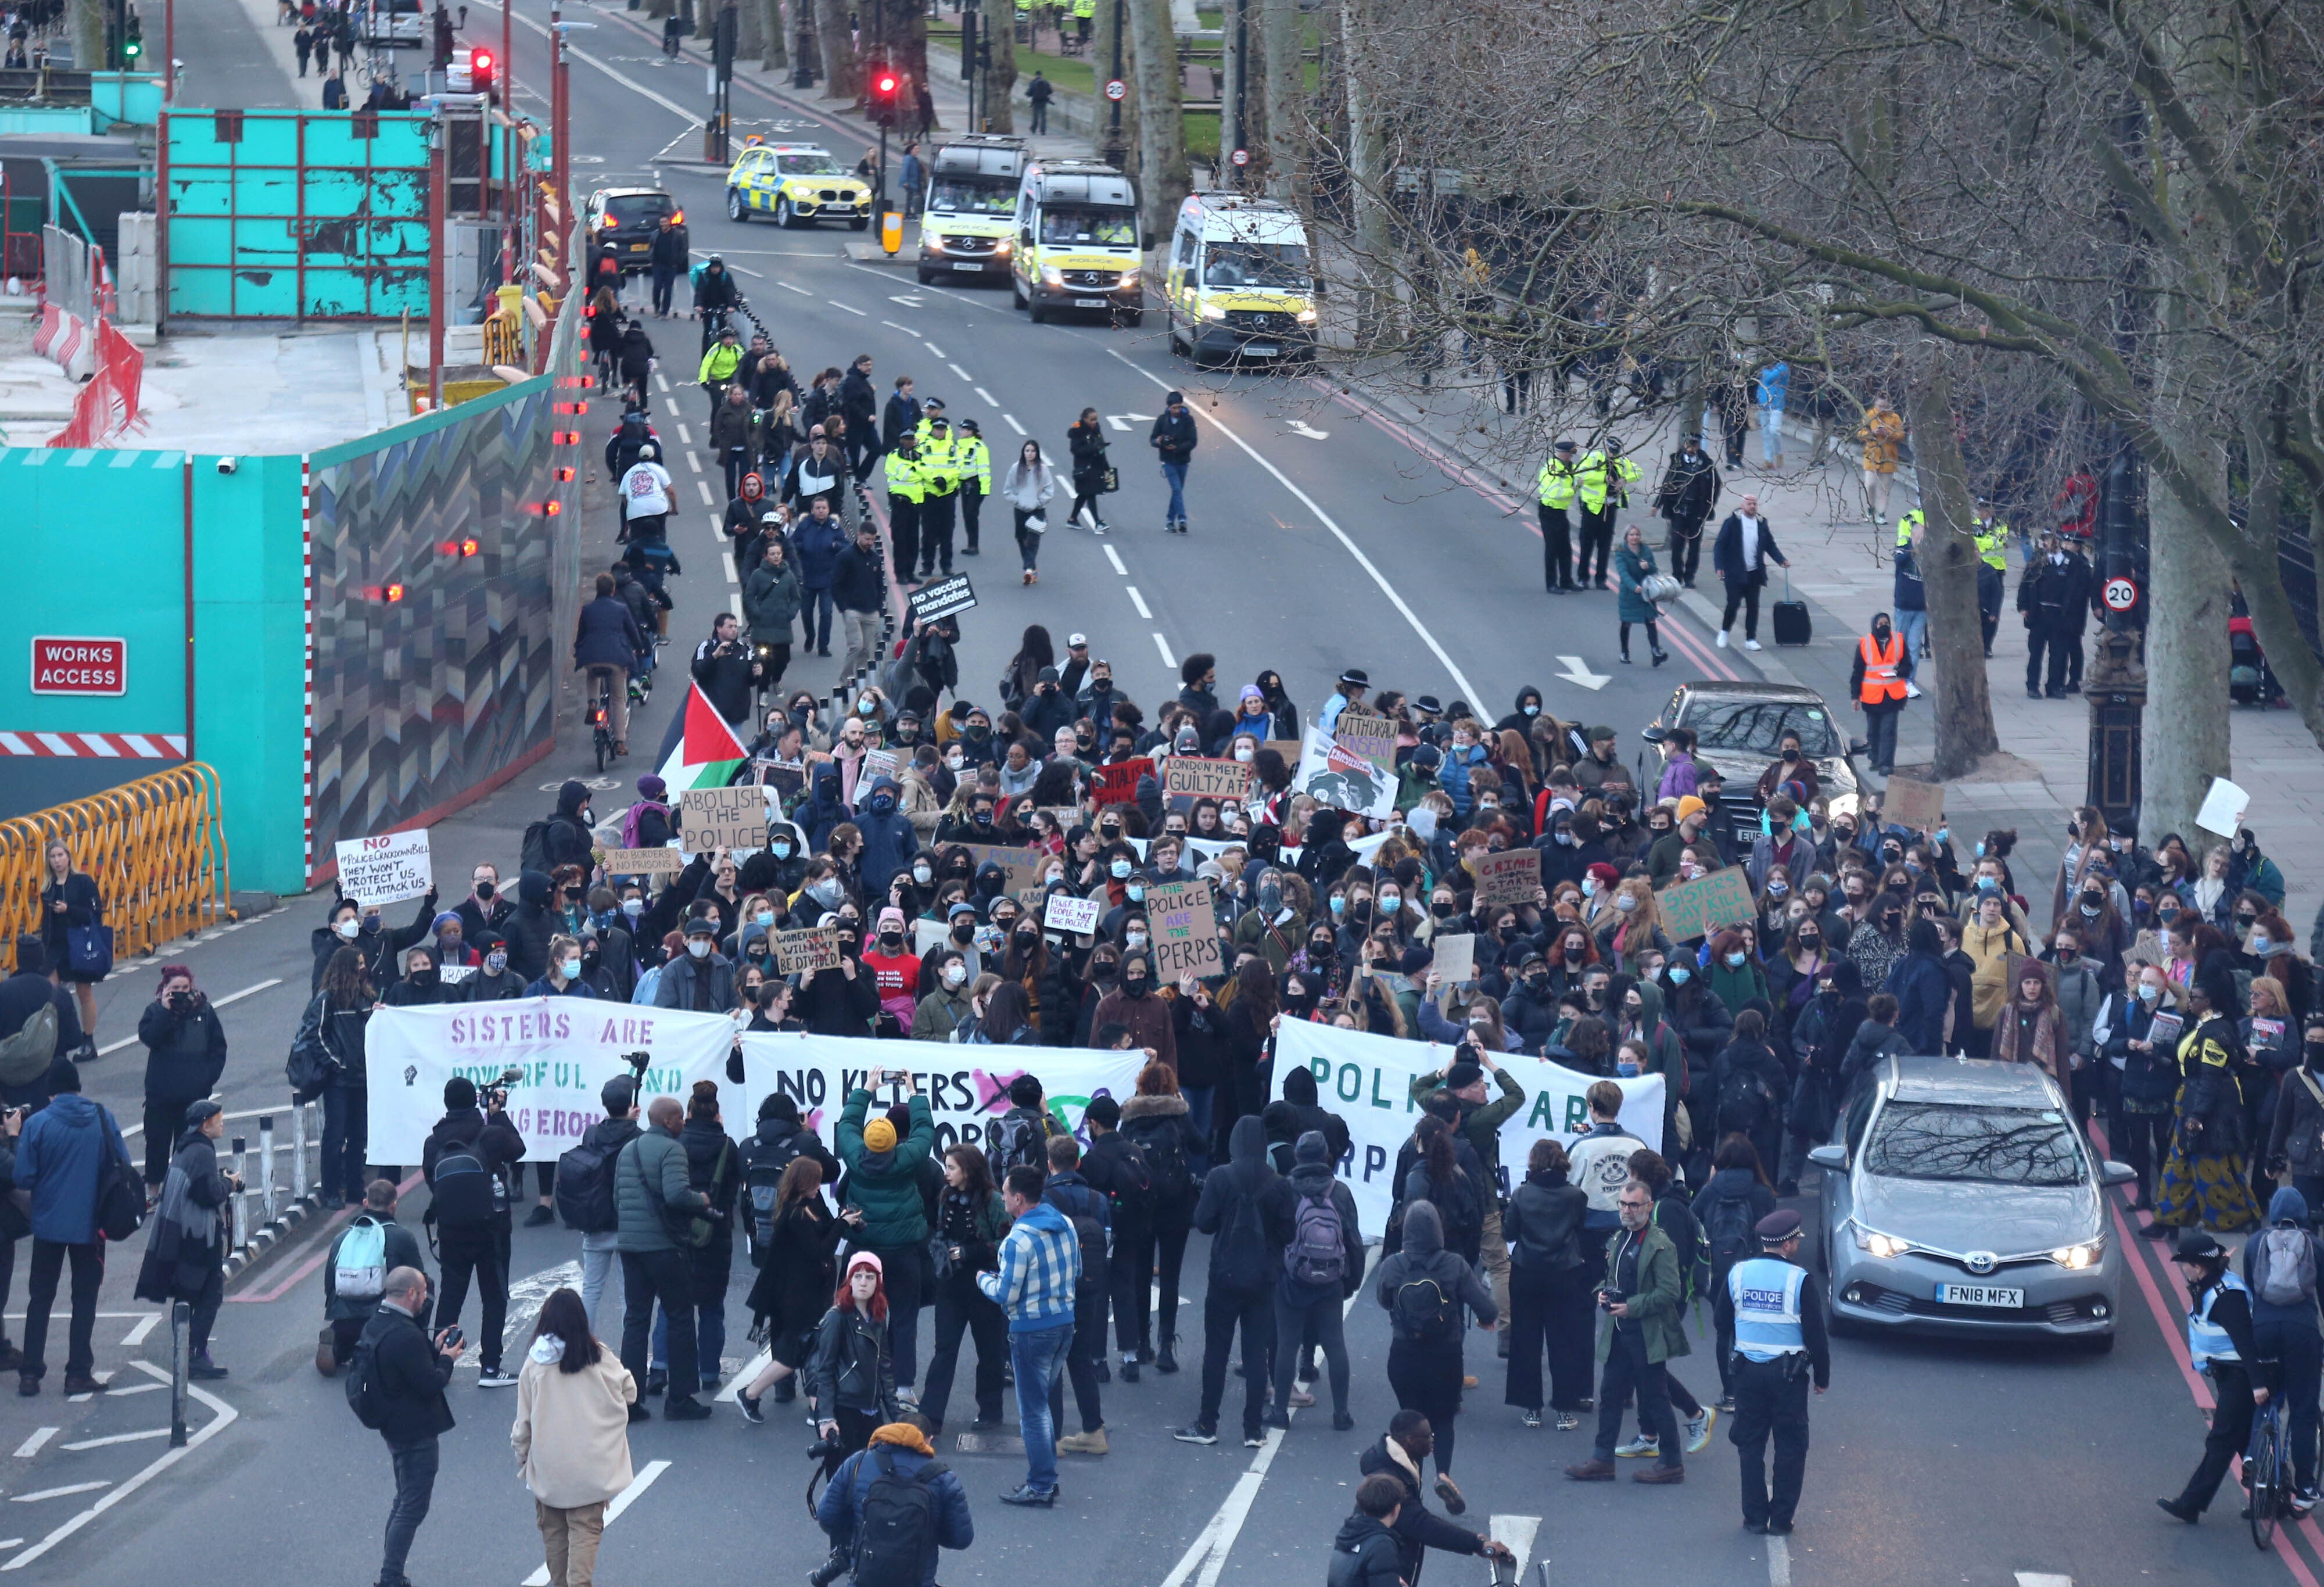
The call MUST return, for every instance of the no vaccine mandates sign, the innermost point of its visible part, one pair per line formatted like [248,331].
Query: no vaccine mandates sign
[80,666]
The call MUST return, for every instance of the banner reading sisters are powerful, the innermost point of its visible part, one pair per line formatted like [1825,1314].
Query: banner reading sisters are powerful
[567,1049]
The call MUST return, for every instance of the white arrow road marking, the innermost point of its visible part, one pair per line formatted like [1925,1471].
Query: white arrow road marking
[69,1487]
[2042,1579]
[1124,421]
[117,1438]
[1519,1532]
[224,1416]
[1576,672]
[621,1501]
[1311,433]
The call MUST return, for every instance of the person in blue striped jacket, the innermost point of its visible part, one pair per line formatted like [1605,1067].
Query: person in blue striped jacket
[1040,1265]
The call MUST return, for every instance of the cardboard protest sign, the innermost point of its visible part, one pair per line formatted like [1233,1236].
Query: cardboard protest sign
[1068,913]
[731,818]
[1455,958]
[803,953]
[385,870]
[1701,907]
[1909,802]
[1290,749]
[1188,778]
[1333,774]
[1022,867]
[1511,877]
[662,861]
[1118,784]
[1185,927]
[941,598]
[1372,738]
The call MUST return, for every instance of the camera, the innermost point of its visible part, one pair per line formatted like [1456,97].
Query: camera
[494,1095]
[832,1568]
[828,1449]
[228,465]
[640,1061]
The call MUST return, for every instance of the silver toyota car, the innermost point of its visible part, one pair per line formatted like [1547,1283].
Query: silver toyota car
[1960,1198]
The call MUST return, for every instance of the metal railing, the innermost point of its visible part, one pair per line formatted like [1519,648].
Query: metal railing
[155,848]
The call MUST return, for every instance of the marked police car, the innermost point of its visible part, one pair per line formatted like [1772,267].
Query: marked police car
[799,184]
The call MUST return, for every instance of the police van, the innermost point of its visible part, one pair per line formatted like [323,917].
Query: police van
[971,206]
[1077,242]
[1239,280]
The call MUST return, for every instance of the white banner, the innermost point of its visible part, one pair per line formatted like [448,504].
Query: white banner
[966,1086]
[1366,1080]
[567,1048]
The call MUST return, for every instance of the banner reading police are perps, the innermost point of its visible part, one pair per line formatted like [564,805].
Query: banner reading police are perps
[1366,1080]
[567,1048]
[967,1086]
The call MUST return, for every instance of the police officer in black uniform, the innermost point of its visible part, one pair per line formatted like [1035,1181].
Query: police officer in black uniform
[1779,1342]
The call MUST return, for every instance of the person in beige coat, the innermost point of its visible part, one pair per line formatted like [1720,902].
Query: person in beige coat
[574,1401]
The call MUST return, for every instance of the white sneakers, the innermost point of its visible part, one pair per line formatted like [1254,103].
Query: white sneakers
[1751,644]
[1722,639]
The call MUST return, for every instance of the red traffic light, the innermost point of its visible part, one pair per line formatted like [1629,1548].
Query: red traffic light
[480,71]
[884,82]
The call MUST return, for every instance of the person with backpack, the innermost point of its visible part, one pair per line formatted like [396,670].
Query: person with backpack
[1323,1268]
[655,1204]
[971,1223]
[185,1253]
[891,1506]
[395,1387]
[711,1168]
[1159,1122]
[1091,1216]
[583,1187]
[1480,1123]
[1246,1256]
[1549,1289]
[793,1289]
[1411,1173]
[356,1270]
[1424,1288]
[1726,1209]
[2280,1267]
[882,1189]
[1019,1138]
[571,1435]
[779,1139]
[1115,1166]
[69,1156]
[1747,1083]
[468,1160]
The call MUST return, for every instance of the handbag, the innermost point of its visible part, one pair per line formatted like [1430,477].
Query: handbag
[120,1189]
[1111,482]
[1659,588]
[89,951]
[312,1066]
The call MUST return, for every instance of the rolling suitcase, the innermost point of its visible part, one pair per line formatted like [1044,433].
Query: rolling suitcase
[1792,626]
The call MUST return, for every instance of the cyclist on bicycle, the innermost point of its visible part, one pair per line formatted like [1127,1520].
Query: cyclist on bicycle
[637,362]
[645,497]
[2280,1266]
[2218,1341]
[606,336]
[606,647]
[715,297]
[718,367]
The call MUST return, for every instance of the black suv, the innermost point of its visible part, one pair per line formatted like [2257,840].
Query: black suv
[625,219]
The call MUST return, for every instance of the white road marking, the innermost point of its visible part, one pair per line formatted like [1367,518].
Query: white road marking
[908,300]
[1163,645]
[1779,1561]
[1114,557]
[935,351]
[746,269]
[694,463]
[787,286]
[2042,1579]
[1519,1533]
[1012,419]
[662,381]
[1136,599]
[987,396]
[51,1493]
[1468,689]
[117,1438]
[906,329]
[630,83]
[31,1446]
[704,486]
[957,370]
[836,304]
[135,1388]
[684,435]
[232,997]
[136,1336]
[621,1502]
[1578,673]
[1313,435]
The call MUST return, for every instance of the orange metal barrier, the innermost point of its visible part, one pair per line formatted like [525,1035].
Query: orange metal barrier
[156,848]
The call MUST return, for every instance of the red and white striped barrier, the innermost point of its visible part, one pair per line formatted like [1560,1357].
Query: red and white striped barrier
[65,340]
[102,746]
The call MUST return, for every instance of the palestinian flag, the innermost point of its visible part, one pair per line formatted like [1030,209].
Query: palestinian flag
[706,752]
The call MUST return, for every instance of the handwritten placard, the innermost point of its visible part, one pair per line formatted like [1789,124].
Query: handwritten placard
[1372,738]
[803,953]
[1118,784]
[385,870]
[1188,778]
[730,818]
[1910,803]
[1701,907]
[1455,958]
[1068,913]
[1511,877]
[662,861]
[1185,927]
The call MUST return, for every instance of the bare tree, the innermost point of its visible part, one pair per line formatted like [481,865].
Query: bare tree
[843,75]
[1000,29]
[1163,180]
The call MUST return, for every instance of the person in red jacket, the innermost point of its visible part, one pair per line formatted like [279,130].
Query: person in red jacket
[896,971]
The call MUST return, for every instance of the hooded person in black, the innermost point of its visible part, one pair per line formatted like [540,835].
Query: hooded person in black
[1821,1039]
[1519,718]
[564,835]
[1309,1295]
[1424,1287]
[1293,1114]
[1246,1254]
[529,927]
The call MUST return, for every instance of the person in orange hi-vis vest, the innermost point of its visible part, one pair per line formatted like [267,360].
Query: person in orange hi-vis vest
[1884,665]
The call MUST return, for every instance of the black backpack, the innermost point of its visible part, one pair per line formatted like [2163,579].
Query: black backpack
[1423,1311]
[1090,1235]
[1727,1226]
[763,1163]
[1745,1102]
[534,853]
[1018,1141]
[585,1188]
[1240,1253]
[1133,1178]
[362,1384]
[467,1193]
[896,1531]
[1169,1176]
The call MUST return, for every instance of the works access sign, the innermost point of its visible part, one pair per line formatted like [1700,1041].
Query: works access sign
[63,666]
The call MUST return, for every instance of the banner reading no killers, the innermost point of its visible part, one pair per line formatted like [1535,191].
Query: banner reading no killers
[1366,1080]
[967,1086]
[567,1048]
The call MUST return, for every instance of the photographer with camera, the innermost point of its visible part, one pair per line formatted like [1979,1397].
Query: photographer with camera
[653,1203]
[185,1054]
[469,1160]
[395,1387]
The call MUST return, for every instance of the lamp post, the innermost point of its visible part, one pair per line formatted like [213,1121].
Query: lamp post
[437,178]
[1114,152]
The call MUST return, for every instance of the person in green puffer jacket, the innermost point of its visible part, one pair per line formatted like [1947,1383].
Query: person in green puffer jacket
[885,1211]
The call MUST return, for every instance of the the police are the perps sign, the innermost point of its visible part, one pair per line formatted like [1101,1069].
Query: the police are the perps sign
[384,870]
[817,1072]
[1366,1080]
[1184,926]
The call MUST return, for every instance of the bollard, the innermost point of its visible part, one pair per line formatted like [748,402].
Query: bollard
[181,1317]
[241,1201]
[267,1168]
[299,1180]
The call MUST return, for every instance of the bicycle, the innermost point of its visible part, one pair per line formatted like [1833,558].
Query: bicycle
[2267,1473]
[601,715]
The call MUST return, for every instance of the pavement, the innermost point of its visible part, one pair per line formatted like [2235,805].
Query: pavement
[1326,531]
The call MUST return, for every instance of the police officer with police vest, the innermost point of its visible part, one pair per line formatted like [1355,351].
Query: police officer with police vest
[939,476]
[1779,1343]
[1555,488]
[1993,561]
[2219,1343]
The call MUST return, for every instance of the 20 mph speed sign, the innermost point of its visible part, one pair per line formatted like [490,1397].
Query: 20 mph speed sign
[1116,88]
[2121,594]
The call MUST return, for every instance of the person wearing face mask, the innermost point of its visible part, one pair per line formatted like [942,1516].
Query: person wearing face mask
[843,1002]
[1142,1008]
[888,840]
[702,979]
[422,982]
[1276,922]
[946,1004]
[2145,1082]
[493,980]
[360,926]
[470,1211]
[1878,940]
[2295,1135]
[896,971]
[485,908]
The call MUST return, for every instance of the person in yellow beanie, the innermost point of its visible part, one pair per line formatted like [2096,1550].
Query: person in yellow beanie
[1663,861]
[885,1158]
[879,1136]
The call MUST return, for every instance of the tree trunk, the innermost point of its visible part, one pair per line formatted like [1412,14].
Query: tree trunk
[1280,28]
[1163,181]
[774,37]
[2184,740]
[1367,148]
[89,17]
[1000,29]
[1116,132]
[749,30]
[658,9]
[842,77]
[1238,43]
[1949,563]
[908,50]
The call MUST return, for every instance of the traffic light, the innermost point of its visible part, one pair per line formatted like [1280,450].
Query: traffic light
[480,72]
[132,44]
[882,83]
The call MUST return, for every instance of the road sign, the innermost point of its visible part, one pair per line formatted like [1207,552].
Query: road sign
[2121,593]
[1116,89]
[1241,157]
